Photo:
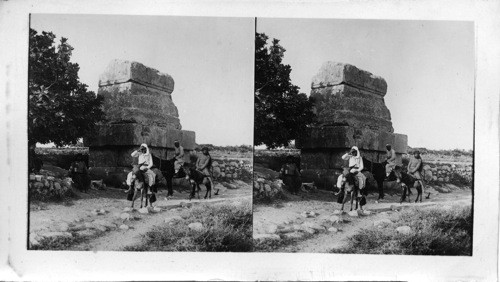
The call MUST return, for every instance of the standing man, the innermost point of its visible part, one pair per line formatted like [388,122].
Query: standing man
[179,156]
[391,159]
[79,174]
[356,165]
[415,167]
[291,175]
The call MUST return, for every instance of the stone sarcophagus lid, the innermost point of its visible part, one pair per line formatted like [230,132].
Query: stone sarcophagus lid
[351,111]
[139,109]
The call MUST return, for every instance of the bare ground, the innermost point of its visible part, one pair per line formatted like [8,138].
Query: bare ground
[324,205]
[47,217]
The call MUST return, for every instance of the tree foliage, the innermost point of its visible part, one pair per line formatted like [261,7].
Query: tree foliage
[60,109]
[282,113]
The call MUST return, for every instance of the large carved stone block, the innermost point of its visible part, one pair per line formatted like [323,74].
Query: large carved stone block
[133,134]
[334,73]
[341,137]
[132,102]
[347,105]
[120,71]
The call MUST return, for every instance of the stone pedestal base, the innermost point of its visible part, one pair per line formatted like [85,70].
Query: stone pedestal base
[111,147]
[323,148]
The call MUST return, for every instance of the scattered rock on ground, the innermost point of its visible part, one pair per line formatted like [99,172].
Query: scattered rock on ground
[196,226]
[404,230]
[313,225]
[333,229]
[382,222]
[261,237]
[353,213]
[271,228]
[86,233]
[293,235]
[336,219]
[55,234]
[124,227]
[286,229]
[173,219]
[144,210]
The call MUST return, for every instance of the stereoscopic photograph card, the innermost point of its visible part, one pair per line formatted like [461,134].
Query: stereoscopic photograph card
[205,140]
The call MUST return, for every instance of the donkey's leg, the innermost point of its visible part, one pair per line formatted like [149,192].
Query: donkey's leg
[352,199]
[193,191]
[142,196]
[344,200]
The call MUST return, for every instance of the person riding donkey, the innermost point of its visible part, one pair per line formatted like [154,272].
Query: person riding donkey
[179,156]
[145,161]
[390,160]
[204,164]
[415,167]
[355,167]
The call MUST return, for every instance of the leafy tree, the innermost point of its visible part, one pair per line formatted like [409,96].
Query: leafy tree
[60,109]
[282,113]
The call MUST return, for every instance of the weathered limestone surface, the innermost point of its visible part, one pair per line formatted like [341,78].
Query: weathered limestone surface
[135,134]
[139,109]
[334,73]
[340,137]
[119,71]
[132,102]
[349,103]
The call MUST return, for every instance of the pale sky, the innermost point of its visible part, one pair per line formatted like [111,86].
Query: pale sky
[210,59]
[428,66]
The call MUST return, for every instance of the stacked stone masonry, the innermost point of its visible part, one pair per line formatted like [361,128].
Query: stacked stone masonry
[139,109]
[349,103]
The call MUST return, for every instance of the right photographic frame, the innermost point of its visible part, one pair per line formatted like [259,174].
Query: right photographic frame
[364,136]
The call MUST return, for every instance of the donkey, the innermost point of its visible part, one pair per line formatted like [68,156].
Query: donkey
[407,182]
[351,188]
[196,178]
[140,188]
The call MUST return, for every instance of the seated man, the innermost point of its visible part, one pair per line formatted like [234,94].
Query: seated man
[390,160]
[356,165]
[145,163]
[204,164]
[179,156]
[415,167]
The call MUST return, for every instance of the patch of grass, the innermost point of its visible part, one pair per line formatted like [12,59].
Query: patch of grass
[59,243]
[226,228]
[435,231]
[265,199]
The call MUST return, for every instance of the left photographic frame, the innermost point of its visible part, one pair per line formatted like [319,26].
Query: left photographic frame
[130,147]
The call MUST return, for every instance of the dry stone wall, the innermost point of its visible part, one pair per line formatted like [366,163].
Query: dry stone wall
[439,173]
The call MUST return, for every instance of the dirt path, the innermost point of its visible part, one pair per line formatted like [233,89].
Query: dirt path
[324,207]
[98,216]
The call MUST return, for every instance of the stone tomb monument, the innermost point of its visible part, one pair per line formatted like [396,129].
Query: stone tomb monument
[351,111]
[139,109]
